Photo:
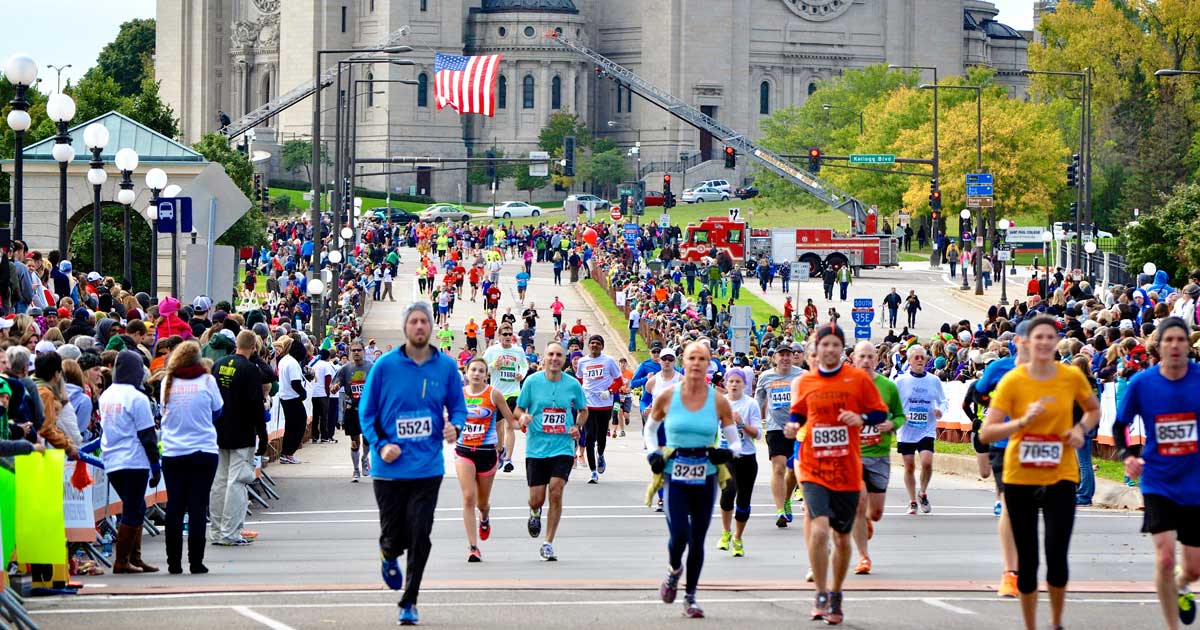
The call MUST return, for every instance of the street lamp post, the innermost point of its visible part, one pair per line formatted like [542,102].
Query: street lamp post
[1046,238]
[1002,225]
[933,256]
[21,71]
[965,215]
[156,181]
[61,109]
[58,80]
[127,162]
[95,138]
[1089,267]
[827,107]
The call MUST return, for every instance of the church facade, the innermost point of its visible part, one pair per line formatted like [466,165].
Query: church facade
[737,60]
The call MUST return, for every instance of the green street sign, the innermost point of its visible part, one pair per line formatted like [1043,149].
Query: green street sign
[872,158]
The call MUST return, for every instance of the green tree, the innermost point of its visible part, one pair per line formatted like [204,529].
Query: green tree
[561,125]
[530,183]
[128,58]
[1166,234]
[477,174]
[112,234]
[297,154]
[147,108]
[251,229]
[605,169]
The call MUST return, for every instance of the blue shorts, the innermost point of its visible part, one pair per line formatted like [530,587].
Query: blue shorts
[443,309]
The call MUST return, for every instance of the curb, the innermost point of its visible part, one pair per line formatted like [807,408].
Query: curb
[609,331]
[1109,494]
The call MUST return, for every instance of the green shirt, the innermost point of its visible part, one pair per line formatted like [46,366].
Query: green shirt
[446,339]
[891,397]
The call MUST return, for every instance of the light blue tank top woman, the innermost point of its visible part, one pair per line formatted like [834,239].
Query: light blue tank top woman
[691,429]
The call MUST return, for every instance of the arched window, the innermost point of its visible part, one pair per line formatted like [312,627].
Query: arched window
[812,87]
[422,90]
[764,98]
[370,89]
[556,93]
[527,92]
[502,93]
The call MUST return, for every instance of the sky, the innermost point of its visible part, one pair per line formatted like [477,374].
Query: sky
[94,23]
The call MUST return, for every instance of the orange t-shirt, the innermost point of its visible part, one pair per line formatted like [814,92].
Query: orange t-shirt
[472,330]
[830,452]
[660,294]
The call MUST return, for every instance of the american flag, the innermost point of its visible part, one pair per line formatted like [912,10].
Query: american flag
[466,84]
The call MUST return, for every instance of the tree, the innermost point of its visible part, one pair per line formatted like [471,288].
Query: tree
[127,58]
[477,174]
[605,169]
[530,183]
[1165,235]
[147,108]
[298,153]
[251,229]
[561,125]
[112,234]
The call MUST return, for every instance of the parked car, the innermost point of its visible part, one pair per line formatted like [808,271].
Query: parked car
[748,192]
[720,184]
[401,216]
[590,202]
[510,209]
[696,195]
[654,198]
[1065,230]
[439,212]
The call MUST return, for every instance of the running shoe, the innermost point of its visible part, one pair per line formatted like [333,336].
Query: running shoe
[670,586]
[508,465]
[691,609]
[485,529]
[781,519]
[787,510]
[834,616]
[820,607]
[409,616]
[249,534]
[535,523]
[473,555]
[391,573]
[997,509]
[622,434]
[1008,585]
[808,577]
[503,453]
[601,466]
[912,508]
[354,479]
[595,477]
[548,552]
[864,567]
[1187,606]
[924,499]
[738,550]
[237,542]
[797,495]
[723,544]
[659,507]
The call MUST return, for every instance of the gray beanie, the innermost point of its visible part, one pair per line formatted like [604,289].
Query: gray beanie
[69,351]
[418,306]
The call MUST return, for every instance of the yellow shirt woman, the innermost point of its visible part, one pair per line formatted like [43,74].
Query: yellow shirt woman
[1038,454]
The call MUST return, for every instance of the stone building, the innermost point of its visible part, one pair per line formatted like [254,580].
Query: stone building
[738,60]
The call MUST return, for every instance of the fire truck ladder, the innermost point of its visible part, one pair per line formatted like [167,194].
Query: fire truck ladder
[256,116]
[817,187]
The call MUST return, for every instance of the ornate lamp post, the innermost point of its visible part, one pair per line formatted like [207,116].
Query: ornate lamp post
[95,137]
[127,162]
[21,71]
[61,109]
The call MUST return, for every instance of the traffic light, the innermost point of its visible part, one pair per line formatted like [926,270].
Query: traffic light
[569,156]
[491,164]
[1073,172]
[266,197]
[1075,214]
[730,157]
[625,204]
[258,187]
[668,196]
[814,160]
[935,195]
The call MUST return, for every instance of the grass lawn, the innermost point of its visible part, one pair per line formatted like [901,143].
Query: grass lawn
[615,317]
[260,281]
[1106,469]
[760,310]
[369,203]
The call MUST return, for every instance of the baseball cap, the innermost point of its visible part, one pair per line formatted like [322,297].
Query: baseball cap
[63,312]
[656,345]
[65,266]
[93,276]
[201,304]
[5,323]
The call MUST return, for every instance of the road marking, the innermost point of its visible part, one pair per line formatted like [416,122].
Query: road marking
[263,619]
[985,509]
[937,603]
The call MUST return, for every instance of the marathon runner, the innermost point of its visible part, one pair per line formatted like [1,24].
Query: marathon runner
[552,409]
[876,443]
[924,403]
[774,394]
[601,377]
[834,401]
[405,427]
[1168,464]
[738,490]
[351,377]
[507,365]
[476,458]
[1040,465]
[692,414]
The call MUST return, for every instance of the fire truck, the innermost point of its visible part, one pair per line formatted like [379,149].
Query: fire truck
[819,247]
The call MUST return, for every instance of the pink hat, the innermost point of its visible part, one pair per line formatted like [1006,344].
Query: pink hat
[168,306]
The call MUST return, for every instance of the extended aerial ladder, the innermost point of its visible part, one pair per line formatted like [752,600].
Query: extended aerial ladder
[827,193]
[256,116]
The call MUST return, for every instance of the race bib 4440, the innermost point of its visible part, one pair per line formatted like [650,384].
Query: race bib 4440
[779,397]
[1176,433]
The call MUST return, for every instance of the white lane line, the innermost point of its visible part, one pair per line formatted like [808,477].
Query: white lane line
[937,603]
[263,619]
[522,508]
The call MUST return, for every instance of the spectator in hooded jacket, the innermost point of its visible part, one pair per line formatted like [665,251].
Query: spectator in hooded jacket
[169,322]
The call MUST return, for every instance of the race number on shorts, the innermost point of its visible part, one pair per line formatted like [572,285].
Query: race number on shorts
[1040,451]
[1176,433]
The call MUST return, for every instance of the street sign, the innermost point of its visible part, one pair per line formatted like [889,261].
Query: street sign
[862,315]
[213,184]
[862,332]
[1024,235]
[1003,255]
[980,202]
[539,169]
[872,158]
[631,233]
[172,210]
[615,213]
[979,178]
[735,214]
[799,272]
[664,220]
[904,218]
[979,190]
[739,317]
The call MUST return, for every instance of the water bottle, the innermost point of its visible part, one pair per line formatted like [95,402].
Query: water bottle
[106,543]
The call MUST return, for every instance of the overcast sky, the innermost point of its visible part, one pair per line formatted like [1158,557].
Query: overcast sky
[89,25]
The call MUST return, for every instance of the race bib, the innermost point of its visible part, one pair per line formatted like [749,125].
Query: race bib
[1176,433]
[870,435]
[508,374]
[594,372]
[414,426]
[830,441]
[1040,451]
[689,470]
[554,420]
[779,397]
[918,416]
[356,390]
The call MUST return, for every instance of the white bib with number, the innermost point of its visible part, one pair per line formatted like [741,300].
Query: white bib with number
[689,470]
[1176,434]
[918,416]
[870,435]
[554,420]
[1040,451]
[830,441]
[780,397]
[473,430]
[594,372]
[414,427]
[508,374]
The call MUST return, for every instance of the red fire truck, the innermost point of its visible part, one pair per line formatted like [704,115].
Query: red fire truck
[819,247]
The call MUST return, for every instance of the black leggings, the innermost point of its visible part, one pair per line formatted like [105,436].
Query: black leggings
[689,511]
[406,509]
[130,485]
[745,471]
[1057,504]
[294,420]
[595,436]
[189,480]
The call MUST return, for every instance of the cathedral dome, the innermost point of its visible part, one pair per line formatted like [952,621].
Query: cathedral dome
[546,6]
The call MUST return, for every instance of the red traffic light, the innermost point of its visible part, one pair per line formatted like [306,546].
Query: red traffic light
[728,150]
[666,179]
[937,194]
[814,153]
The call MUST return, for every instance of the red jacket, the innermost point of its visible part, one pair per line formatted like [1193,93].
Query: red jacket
[173,325]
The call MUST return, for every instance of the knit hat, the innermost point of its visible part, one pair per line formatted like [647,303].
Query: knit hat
[69,351]
[417,306]
[830,329]
[168,306]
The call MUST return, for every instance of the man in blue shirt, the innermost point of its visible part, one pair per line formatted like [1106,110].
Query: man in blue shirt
[1164,396]
[551,410]
[404,428]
